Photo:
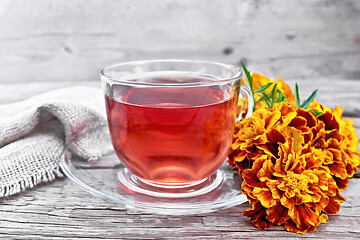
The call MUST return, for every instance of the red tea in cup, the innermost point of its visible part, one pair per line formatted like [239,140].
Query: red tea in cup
[172,134]
[171,123]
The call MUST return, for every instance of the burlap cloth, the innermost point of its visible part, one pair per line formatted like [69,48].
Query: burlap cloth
[35,132]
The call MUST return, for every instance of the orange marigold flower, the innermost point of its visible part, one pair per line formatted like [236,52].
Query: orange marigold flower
[291,189]
[327,136]
[261,134]
[336,140]
[261,80]
[294,164]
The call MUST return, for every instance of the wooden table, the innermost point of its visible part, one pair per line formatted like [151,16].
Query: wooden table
[61,210]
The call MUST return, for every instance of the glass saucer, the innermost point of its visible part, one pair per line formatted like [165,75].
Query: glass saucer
[102,178]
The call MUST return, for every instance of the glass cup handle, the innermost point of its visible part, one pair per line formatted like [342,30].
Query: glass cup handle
[245,90]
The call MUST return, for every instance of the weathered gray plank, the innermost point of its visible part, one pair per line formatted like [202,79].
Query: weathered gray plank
[60,209]
[72,40]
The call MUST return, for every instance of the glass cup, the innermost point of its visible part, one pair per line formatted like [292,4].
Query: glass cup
[171,123]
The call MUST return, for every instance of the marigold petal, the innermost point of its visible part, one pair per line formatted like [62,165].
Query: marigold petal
[332,187]
[333,206]
[295,164]
[275,136]
[258,215]
[284,88]
[338,169]
[353,162]
[323,218]
[247,191]
[312,177]
[305,197]
[265,173]
[264,196]
[288,112]
[250,178]
[319,206]
[334,145]
[296,135]
[324,179]
[273,186]
[260,80]
[238,156]
[286,109]
[312,160]
[289,193]
[291,227]
[341,183]
[282,186]
[329,120]
[337,111]
[299,123]
[277,214]
[271,119]
[340,197]
[258,163]
[289,203]
[274,139]
[304,217]
[310,118]
[246,164]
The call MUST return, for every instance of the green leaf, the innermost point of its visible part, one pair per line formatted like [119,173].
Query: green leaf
[268,96]
[273,96]
[306,103]
[280,93]
[263,88]
[263,98]
[250,81]
[281,98]
[317,113]
[248,76]
[268,103]
[266,99]
[297,98]
[278,100]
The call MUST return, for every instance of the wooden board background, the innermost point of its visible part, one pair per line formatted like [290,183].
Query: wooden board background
[71,40]
[47,44]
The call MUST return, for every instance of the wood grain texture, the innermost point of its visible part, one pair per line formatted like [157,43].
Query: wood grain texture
[61,210]
[71,40]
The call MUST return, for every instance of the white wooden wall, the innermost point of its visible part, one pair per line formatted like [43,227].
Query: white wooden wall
[71,40]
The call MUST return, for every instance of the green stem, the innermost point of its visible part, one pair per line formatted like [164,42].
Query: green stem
[250,81]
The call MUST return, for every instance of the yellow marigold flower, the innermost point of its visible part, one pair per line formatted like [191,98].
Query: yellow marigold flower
[261,80]
[291,189]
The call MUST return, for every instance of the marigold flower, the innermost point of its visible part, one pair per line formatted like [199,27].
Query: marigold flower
[260,134]
[294,164]
[261,80]
[336,140]
[291,189]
